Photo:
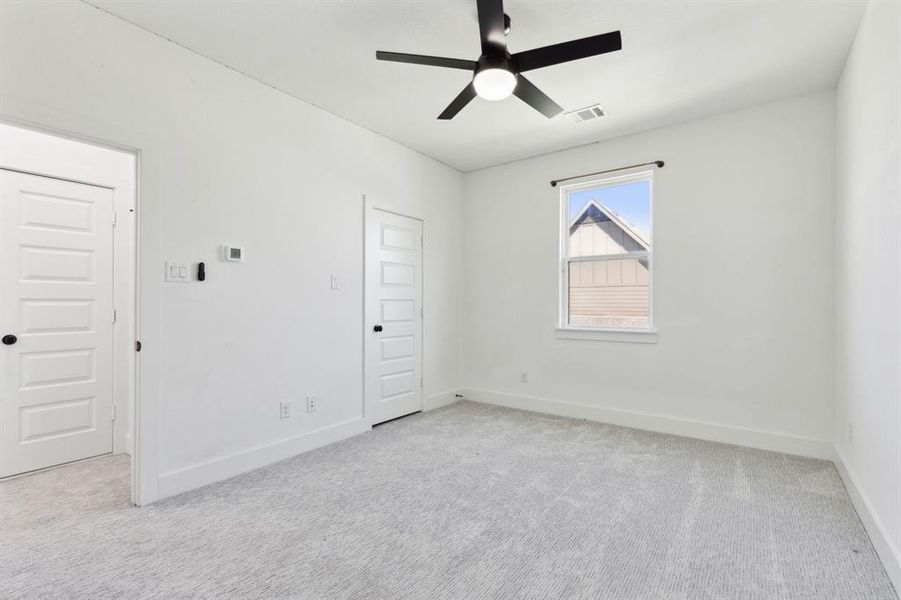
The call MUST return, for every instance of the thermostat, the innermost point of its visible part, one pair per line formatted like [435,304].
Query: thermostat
[234,254]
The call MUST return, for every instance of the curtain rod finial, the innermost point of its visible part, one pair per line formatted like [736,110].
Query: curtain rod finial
[660,164]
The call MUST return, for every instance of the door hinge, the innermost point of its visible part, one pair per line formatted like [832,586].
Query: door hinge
[138,346]
[421,243]
[115,316]
[115,216]
[113,413]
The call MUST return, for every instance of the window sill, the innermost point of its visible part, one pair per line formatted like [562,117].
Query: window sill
[634,336]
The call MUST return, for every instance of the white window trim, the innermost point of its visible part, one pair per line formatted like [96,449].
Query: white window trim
[596,334]
[643,335]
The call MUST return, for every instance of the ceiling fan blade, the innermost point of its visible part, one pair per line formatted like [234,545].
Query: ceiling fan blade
[567,51]
[491,26]
[527,92]
[462,99]
[431,61]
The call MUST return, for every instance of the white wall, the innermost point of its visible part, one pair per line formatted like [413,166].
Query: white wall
[868,278]
[746,343]
[225,159]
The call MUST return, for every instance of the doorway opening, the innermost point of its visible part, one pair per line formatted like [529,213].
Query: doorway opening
[68,313]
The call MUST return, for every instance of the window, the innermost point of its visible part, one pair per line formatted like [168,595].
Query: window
[605,242]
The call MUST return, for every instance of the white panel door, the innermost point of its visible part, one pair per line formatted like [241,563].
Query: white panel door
[393,336]
[56,271]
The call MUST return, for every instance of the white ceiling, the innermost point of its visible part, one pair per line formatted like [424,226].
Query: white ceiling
[680,60]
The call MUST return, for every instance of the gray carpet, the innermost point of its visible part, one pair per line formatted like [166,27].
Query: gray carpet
[469,501]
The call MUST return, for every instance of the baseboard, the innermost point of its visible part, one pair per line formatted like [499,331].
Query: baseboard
[438,400]
[226,467]
[727,434]
[888,553]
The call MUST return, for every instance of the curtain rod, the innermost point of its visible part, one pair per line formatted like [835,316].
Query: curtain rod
[658,163]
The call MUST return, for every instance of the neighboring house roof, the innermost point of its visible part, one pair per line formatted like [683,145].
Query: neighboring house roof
[595,212]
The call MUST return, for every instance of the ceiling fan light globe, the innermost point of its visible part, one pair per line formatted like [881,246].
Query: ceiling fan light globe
[494,84]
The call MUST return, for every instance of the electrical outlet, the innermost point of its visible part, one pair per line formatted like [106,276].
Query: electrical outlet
[524,377]
[311,403]
[284,409]
[334,282]
[850,433]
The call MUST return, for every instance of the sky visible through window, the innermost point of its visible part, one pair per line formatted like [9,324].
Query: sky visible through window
[630,201]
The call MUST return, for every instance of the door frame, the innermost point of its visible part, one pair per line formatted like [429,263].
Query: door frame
[121,134]
[401,211]
[45,153]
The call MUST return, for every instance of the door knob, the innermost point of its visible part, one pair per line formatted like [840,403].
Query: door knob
[10,339]
[377,329]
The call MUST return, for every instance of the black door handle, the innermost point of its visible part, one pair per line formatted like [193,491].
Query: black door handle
[377,329]
[10,339]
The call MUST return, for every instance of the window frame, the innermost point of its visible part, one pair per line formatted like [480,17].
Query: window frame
[604,333]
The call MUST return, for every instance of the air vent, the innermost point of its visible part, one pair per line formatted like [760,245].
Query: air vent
[595,111]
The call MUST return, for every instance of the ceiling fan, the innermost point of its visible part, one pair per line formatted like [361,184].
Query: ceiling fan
[497,73]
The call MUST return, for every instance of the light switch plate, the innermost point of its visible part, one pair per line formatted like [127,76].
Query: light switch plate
[177,272]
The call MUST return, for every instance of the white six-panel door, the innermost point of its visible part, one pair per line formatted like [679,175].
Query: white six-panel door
[393,321]
[56,272]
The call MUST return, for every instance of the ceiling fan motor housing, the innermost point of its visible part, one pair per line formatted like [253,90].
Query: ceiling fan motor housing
[495,62]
